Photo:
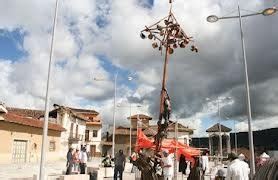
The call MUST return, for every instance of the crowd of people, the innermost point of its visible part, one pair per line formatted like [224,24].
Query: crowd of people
[77,161]
[237,169]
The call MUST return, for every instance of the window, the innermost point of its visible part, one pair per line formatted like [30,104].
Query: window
[87,135]
[185,140]
[71,130]
[76,131]
[94,133]
[52,146]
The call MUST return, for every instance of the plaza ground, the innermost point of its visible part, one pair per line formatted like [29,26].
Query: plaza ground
[14,171]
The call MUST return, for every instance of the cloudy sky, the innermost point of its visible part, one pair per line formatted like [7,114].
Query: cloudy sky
[98,38]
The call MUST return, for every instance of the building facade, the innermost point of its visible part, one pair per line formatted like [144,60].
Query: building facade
[93,136]
[183,133]
[83,127]
[21,137]
[122,134]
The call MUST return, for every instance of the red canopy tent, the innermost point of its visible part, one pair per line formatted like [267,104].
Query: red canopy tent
[171,145]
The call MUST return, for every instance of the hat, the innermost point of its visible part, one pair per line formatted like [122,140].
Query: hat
[264,155]
[241,156]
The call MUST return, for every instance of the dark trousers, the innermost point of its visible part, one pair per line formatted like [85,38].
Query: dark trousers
[83,168]
[69,168]
[118,169]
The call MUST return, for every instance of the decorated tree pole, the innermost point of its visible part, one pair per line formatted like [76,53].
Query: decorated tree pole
[166,34]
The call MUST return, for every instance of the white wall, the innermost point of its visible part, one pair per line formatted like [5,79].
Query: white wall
[65,119]
[95,140]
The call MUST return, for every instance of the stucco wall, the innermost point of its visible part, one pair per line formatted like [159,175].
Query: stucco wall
[10,132]
[94,140]
[66,120]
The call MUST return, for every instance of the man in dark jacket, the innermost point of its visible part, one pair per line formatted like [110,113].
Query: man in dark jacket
[119,161]
[69,161]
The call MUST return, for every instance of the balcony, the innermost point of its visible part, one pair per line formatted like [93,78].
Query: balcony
[75,137]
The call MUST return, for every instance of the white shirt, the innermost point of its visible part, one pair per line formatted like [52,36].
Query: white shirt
[238,170]
[205,163]
[168,171]
[83,157]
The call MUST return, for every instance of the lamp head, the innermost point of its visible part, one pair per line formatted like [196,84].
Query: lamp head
[212,18]
[269,11]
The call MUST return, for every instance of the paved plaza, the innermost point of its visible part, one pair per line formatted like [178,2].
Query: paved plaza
[15,171]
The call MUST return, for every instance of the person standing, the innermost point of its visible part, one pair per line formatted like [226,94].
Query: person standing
[195,170]
[83,160]
[119,161]
[204,163]
[237,169]
[76,161]
[182,164]
[167,165]
[69,161]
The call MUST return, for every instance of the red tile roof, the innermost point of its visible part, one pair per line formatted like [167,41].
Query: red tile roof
[78,110]
[124,131]
[34,113]
[171,128]
[216,128]
[14,118]
[141,116]
[83,114]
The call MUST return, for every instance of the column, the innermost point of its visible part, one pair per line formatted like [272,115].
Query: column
[228,141]
[210,146]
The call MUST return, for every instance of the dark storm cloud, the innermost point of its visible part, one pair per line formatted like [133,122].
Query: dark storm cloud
[218,69]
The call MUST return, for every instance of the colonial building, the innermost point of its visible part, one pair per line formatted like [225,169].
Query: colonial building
[122,134]
[183,132]
[83,127]
[21,136]
[93,135]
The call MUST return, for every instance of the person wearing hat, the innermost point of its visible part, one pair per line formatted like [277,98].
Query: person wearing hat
[237,169]
[119,162]
[241,157]
[167,165]
[263,159]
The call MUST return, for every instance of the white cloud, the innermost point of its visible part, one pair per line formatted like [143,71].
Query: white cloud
[79,39]
[258,124]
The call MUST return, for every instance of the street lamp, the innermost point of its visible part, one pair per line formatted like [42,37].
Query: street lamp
[235,133]
[218,100]
[130,128]
[214,18]
[114,107]
[46,113]
[114,110]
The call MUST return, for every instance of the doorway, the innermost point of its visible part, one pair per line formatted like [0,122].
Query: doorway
[93,150]
[19,151]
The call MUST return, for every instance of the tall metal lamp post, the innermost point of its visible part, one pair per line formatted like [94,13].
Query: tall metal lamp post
[130,127]
[42,175]
[114,110]
[234,121]
[214,18]
[218,99]
[129,78]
